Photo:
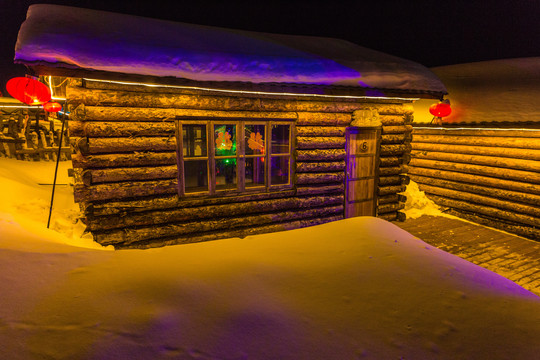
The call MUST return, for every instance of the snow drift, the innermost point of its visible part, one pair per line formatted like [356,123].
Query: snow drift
[357,288]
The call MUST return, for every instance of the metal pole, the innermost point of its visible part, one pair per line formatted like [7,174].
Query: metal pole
[56,168]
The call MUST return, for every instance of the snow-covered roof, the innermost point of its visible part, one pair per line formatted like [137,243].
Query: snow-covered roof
[68,37]
[497,91]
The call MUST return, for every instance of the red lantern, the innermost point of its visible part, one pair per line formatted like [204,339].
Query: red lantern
[441,109]
[29,91]
[52,107]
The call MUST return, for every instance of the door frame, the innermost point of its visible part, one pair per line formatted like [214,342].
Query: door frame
[351,130]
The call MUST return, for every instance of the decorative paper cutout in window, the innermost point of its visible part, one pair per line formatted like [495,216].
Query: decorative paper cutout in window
[223,141]
[255,142]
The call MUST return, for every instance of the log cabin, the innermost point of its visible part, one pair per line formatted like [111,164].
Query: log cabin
[183,133]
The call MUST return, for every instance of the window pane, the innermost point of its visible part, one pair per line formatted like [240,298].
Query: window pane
[196,176]
[254,137]
[279,170]
[225,174]
[280,139]
[225,140]
[194,140]
[255,172]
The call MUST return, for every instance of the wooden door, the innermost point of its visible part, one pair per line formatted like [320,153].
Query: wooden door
[362,171]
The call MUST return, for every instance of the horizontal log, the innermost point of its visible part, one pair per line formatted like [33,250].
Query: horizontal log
[392,189]
[123,160]
[391,161]
[96,97]
[518,164]
[392,198]
[316,190]
[393,150]
[529,232]
[392,120]
[116,113]
[320,166]
[393,180]
[320,131]
[190,214]
[173,201]
[396,170]
[125,190]
[320,154]
[323,119]
[499,141]
[391,207]
[501,173]
[123,145]
[396,129]
[241,233]
[120,129]
[529,154]
[526,133]
[481,200]
[303,142]
[131,235]
[476,180]
[393,216]
[486,210]
[320,178]
[395,138]
[498,193]
[96,176]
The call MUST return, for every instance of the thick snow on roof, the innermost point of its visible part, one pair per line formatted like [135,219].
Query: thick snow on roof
[71,37]
[490,92]
[351,289]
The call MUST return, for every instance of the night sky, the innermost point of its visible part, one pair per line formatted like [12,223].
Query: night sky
[430,32]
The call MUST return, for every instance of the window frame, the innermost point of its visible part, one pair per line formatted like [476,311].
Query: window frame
[241,156]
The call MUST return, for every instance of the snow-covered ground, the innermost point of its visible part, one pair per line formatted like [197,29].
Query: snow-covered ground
[360,288]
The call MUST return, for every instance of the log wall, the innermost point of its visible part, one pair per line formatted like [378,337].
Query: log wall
[124,157]
[490,176]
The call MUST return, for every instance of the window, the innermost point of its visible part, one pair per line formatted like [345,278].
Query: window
[228,155]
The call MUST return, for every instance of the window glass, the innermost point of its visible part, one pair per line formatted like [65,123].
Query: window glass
[225,140]
[254,139]
[228,155]
[225,174]
[280,139]
[279,170]
[255,172]
[194,140]
[196,176]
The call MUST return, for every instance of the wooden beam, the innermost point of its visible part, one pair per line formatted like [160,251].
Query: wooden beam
[501,173]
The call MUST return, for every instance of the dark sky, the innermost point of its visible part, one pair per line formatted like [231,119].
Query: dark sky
[430,32]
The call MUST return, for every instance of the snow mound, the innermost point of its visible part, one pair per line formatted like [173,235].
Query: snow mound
[493,91]
[25,190]
[359,288]
[418,204]
[72,37]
